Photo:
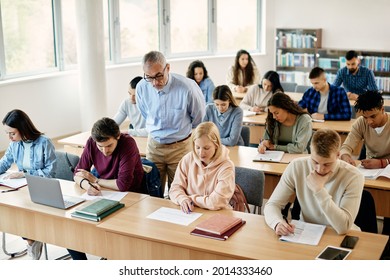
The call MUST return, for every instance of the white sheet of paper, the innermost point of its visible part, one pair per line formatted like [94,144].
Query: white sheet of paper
[113,195]
[175,216]
[12,183]
[305,233]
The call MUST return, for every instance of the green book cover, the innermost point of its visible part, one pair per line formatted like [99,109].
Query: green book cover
[97,218]
[97,206]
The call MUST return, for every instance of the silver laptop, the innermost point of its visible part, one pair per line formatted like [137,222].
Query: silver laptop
[47,191]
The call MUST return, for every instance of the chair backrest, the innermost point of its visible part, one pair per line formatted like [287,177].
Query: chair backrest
[251,182]
[246,135]
[66,164]
[288,86]
[301,88]
[366,217]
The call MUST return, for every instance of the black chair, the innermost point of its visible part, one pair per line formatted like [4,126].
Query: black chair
[366,217]
[246,135]
[251,182]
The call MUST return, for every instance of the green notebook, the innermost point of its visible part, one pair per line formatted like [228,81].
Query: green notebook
[97,218]
[97,206]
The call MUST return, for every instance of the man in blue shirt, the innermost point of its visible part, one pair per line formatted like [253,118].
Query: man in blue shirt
[172,105]
[324,101]
[355,78]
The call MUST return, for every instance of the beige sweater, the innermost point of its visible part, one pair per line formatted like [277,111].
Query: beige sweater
[255,96]
[336,205]
[377,145]
[210,187]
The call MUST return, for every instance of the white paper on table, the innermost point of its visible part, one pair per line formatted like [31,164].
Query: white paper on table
[113,195]
[175,216]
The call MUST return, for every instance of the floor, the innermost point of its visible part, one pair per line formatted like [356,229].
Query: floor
[16,243]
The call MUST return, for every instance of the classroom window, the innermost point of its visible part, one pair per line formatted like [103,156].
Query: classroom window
[138,27]
[28,37]
[188,26]
[68,9]
[237,25]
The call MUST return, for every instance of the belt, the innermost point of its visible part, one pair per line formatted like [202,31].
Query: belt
[180,140]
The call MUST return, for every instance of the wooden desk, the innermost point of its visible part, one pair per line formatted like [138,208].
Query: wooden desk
[22,217]
[243,156]
[130,235]
[75,144]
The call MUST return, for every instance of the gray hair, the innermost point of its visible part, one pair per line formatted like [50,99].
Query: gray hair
[154,57]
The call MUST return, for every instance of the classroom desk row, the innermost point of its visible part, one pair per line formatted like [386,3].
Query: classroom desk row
[297,96]
[243,156]
[128,233]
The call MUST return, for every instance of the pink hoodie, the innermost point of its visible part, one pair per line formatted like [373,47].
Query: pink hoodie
[210,187]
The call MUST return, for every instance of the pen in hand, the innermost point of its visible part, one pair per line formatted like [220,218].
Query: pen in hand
[289,225]
[93,186]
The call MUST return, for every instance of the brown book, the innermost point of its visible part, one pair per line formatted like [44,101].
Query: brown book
[218,224]
[222,237]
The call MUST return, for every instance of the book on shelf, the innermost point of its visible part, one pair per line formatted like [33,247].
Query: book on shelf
[305,233]
[97,206]
[224,236]
[274,156]
[99,217]
[12,183]
[218,224]
[375,173]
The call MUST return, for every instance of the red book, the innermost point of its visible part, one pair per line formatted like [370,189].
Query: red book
[218,224]
[223,237]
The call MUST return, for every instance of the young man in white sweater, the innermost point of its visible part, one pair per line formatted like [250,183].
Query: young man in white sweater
[328,189]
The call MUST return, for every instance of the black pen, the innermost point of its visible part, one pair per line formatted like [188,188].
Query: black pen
[9,190]
[93,186]
[285,218]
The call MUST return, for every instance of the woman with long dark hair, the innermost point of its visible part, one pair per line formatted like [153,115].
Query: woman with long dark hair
[257,97]
[288,126]
[32,152]
[243,73]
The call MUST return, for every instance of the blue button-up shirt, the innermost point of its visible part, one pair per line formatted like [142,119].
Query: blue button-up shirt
[207,87]
[42,157]
[338,105]
[362,81]
[171,113]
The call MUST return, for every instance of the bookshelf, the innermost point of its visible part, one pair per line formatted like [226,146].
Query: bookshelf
[332,60]
[296,53]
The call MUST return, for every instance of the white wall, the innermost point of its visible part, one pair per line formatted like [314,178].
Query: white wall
[53,102]
[346,24]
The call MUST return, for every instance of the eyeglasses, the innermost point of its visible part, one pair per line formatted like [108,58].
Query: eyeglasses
[159,77]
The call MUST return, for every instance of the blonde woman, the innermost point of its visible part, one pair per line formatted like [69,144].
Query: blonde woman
[205,176]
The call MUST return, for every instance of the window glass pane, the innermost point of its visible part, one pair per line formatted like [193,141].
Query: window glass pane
[138,27]
[68,10]
[189,26]
[106,31]
[28,35]
[236,25]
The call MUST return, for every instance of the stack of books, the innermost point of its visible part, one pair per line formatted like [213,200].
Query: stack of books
[219,227]
[97,209]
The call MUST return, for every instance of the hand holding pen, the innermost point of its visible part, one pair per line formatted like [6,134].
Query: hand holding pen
[284,227]
[94,190]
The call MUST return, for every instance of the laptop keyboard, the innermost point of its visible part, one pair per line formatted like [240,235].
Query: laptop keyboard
[68,203]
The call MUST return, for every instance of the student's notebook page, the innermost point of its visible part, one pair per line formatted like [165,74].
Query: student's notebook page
[305,233]
[174,216]
[12,183]
[275,156]
[375,173]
